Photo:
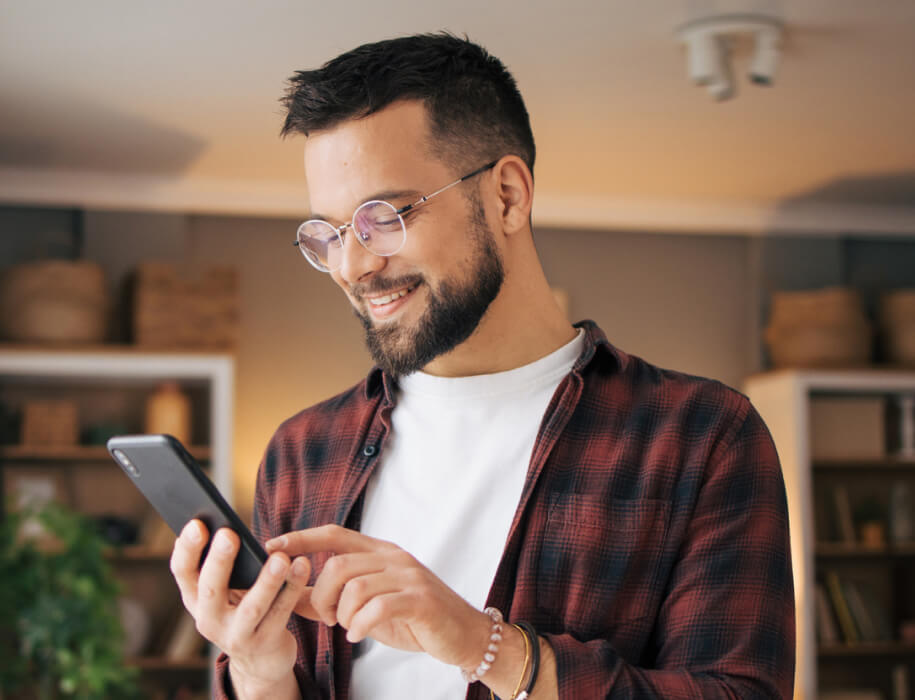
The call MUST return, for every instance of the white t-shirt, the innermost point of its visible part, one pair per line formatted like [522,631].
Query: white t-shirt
[446,491]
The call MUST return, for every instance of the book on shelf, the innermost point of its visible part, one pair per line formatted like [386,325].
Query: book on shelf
[857,609]
[901,682]
[827,630]
[845,525]
[877,610]
[864,622]
[840,605]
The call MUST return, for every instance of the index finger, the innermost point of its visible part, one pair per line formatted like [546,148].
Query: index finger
[326,538]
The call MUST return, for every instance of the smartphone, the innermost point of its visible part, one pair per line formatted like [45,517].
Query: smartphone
[173,482]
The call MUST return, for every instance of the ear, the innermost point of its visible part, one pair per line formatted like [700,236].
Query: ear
[516,193]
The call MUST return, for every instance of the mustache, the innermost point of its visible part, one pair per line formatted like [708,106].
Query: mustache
[383,286]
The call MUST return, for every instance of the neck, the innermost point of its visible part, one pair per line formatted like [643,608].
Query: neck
[523,324]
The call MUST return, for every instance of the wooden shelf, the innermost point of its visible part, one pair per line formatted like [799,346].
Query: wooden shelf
[160,663]
[76,453]
[138,553]
[842,550]
[109,349]
[867,650]
[885,464]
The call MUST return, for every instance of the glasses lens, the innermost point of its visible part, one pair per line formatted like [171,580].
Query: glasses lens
[321,245]
[379,228]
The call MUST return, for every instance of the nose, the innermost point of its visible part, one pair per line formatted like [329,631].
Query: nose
[358,262]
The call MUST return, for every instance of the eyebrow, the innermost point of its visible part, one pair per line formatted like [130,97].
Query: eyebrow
[385,195]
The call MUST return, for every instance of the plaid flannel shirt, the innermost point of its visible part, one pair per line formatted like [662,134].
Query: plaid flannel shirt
[649,547]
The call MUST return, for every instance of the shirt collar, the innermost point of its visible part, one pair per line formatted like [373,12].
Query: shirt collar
[596,348]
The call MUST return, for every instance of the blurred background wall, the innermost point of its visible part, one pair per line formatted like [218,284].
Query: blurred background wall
[696,303]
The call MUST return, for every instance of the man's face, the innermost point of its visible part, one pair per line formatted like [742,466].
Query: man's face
[429,297]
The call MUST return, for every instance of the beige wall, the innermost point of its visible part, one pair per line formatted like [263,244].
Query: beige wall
[300,342]
[678,301]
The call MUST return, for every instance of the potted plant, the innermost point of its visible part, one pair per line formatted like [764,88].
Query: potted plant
[61,636]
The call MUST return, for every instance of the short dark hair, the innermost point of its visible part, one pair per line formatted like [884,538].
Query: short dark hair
[476,112]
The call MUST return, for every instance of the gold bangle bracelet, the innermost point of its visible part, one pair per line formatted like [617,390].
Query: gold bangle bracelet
[527,660]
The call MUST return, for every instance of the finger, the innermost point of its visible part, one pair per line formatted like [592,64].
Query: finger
[185,561]
[303,606]
[213,583]
[289,596]
[378,610]
[259,598]
[326,538]
[359,591]
[337,572]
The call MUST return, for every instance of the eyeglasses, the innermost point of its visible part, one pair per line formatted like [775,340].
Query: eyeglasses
[378,226]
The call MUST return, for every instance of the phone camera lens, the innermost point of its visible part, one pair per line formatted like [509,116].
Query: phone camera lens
[128,465]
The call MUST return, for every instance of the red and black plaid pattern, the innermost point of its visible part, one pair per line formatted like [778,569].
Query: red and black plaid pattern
[650,545]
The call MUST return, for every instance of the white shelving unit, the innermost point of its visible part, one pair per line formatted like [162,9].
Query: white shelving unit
[127,369]
[129,366]
[783,398]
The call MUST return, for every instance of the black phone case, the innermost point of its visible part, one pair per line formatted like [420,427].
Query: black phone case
[172,481]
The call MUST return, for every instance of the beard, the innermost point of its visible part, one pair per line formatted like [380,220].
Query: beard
[454,309]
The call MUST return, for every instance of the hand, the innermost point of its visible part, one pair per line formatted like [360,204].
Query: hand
[373,588]
[250,626]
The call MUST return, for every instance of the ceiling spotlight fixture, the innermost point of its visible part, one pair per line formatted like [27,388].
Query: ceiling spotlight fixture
[708,44]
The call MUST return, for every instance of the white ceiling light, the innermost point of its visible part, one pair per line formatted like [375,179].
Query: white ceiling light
[708,44]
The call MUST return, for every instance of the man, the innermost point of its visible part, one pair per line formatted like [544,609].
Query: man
[631,521]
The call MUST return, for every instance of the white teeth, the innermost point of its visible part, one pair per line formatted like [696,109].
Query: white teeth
[388,298]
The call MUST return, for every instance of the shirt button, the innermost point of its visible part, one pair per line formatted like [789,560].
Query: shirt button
[368,450]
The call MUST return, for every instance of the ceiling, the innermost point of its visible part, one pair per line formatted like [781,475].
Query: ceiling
[173,105]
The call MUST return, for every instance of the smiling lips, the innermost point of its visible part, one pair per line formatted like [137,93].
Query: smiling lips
[388,303]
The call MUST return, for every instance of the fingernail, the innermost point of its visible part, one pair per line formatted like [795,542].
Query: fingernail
[278,542]
[224,543]
[192,532]
[276,565]
[299,568]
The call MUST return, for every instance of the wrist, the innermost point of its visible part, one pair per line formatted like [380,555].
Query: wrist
[484,647]
[511,669]
[249,686]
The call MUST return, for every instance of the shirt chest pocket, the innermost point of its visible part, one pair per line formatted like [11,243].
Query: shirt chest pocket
[598,565]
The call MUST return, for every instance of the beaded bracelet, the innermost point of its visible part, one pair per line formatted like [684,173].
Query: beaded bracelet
[489,656]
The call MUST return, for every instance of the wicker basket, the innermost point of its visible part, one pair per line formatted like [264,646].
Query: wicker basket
[185,307]
[821,328]
[54,301]
[48,422]
[832,306]
[897,326]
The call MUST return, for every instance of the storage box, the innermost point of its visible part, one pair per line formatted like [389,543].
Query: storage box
[847,428]
[54,301]
[818,328]
[897,322]
[185,307]
[50,423]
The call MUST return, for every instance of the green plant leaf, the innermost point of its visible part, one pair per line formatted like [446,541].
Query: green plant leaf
[60,604]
